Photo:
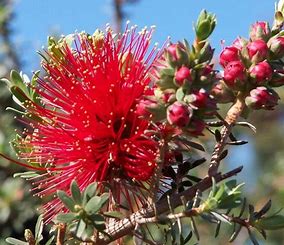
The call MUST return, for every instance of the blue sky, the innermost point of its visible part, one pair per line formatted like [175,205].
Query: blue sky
[36,19]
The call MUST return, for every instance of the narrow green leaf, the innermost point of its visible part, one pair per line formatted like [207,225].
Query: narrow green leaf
[89,192]
[15,241]
[113,214]
[80,228]
[93,205]
[235,233]
[194,228]
[66,200]
[16,78]
[39,227]
[66,218]
[26,175]
[76,193]
[49,242]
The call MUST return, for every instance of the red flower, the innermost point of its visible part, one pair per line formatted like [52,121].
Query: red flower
[89,129]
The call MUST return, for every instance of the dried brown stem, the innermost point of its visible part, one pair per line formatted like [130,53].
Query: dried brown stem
[125,226]
[230,120]
[61,234]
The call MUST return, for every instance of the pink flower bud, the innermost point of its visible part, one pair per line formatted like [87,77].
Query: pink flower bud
[201,99]
[182,74]
[222,93]
[257,50]
[143,106]
[260,30]
[261,72]
[179,114]
[172,49]
[276,46]
[229,54]
[239,43]
[234,72]
[262,98]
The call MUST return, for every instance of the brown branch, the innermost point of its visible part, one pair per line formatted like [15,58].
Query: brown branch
[61,234]
[229,122]
[125,226]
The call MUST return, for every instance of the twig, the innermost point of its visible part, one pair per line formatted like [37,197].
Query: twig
[230,120]
[60,234]
[125,226]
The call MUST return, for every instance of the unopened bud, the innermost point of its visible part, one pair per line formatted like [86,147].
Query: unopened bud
[234,74]
[179,114]
[257,51]
[182,75]
[262,98]
[260,30]
[229,54]
[261,72]
[276,46]
[239,43]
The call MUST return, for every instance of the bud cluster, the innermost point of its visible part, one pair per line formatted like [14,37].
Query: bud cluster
[252,67]
[182,88]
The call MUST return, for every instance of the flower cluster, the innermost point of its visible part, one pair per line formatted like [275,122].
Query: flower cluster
[252,67]
[181,96]
[83,125]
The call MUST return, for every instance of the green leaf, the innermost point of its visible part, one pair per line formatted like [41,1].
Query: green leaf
[80,228]
[66,200]
[16,78]
[26,175]
[15,241]
[275,222]
[180,94]
[113,214]
[94,205]
[89,192]
[49,242]
[66,218]
[5,80]
[76,193]
[99,221]
[39,228]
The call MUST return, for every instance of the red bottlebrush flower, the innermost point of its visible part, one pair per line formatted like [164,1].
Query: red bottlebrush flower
[182,74]
[235,71]
[179,114]
[261,72]
[229,54]
[89,130]
[260,30]
[257,50]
